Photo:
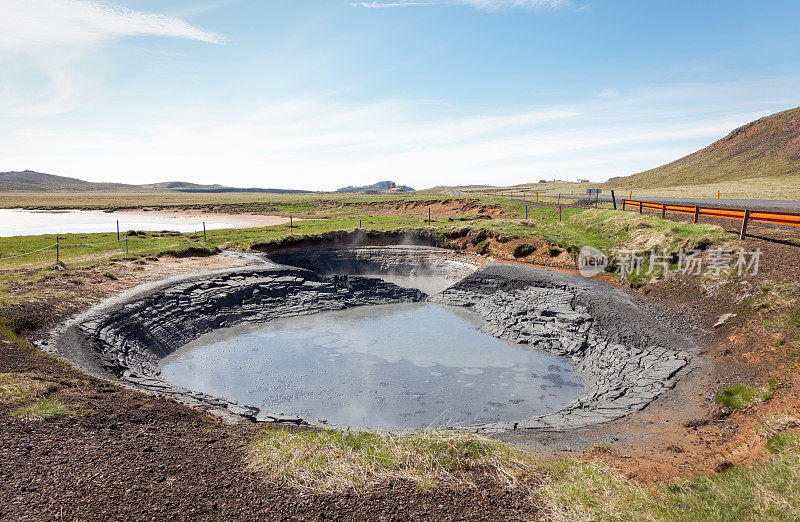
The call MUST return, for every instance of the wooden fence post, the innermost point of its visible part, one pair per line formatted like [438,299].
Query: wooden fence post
[118,230]
[696,213]
[663,210]
[624,201]
[746,217]
[613,200]
[640,206]
[205,239]
[57,252]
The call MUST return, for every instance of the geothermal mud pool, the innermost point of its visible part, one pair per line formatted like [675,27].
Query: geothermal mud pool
[313,334]
[393,366]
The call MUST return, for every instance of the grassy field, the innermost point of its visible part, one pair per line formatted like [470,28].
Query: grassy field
[88,248]
[567,489]
[784,187]
[602,228]
[332,461]
[592,491]
[336,460]
[113,200]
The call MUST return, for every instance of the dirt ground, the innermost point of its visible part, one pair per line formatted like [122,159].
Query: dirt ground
[238,220]
[415,208]
[120,454]
[684,432]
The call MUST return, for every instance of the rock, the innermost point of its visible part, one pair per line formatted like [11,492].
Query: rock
[722,465]
[724,318]
[523,250]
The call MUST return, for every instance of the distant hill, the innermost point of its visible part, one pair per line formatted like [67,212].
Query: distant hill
[767,148]
[381,186]
[29,181]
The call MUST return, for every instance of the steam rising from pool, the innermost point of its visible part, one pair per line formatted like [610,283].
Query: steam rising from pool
[392,366]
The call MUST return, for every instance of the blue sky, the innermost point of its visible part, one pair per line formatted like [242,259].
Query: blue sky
[325,93]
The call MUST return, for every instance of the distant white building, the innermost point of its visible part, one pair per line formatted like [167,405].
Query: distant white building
[583,181]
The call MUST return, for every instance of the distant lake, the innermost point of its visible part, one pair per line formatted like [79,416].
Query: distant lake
[16,222]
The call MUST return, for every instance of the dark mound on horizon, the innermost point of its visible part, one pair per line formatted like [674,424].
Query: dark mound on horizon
[381,186]
[30,181]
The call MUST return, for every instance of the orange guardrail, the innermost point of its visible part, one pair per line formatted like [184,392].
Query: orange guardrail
[744,215]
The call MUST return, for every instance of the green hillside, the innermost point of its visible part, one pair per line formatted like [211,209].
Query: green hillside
[767,149]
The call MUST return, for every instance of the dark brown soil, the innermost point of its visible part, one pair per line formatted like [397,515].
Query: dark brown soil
[121,455]
[684,432]
[743,351]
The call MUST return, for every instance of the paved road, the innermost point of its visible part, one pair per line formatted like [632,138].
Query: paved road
[778,205]
[457,193]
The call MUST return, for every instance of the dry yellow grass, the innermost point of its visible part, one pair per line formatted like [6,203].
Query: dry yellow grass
[566,489]
[784,187]
[16,387]
[339,460]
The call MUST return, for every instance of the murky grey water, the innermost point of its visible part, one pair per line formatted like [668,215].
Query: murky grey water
[430,284]
[17,222]
[393,366]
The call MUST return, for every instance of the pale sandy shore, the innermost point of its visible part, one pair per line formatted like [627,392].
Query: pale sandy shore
[235,220]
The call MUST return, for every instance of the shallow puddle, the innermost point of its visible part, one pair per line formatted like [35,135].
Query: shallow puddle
[393,366]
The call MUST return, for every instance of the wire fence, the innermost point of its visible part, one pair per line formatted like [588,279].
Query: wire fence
[170,241]
[124,242]
[29,253]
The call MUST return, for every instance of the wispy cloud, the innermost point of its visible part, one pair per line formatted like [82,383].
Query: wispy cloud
[27,23]
[486,5]
[320,144]
[52,37]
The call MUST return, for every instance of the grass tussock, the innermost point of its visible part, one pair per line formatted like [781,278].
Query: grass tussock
[40,410]
[8,334]
[566,489]
[591,491]
[16,388]
[336,461]
[784,441]
[739,396]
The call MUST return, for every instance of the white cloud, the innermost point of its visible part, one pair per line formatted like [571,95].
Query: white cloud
[53,38]
[486,5]
[33,23]
[320,144]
